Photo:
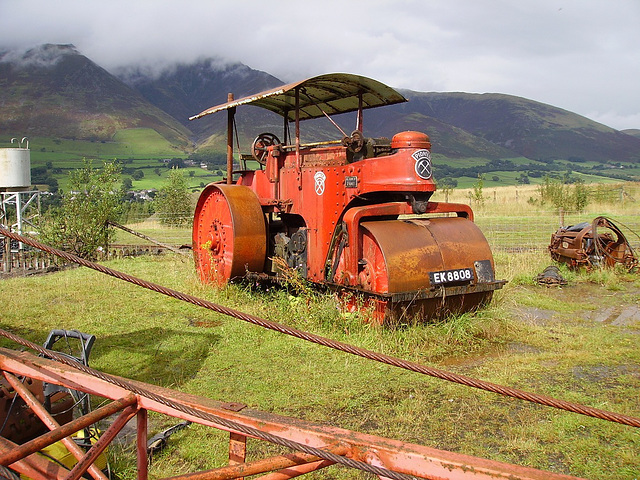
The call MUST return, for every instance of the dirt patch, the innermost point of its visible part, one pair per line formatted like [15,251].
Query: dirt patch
[600,306]
[618,316]
[534,315]
[605,374]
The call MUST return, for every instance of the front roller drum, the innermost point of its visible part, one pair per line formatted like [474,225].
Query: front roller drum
[403,264]
[229,233]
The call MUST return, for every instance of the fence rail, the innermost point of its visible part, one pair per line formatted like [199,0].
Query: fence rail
[510,233]
[533,232]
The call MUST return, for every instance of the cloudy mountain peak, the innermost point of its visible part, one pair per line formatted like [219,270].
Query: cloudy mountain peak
[42,56]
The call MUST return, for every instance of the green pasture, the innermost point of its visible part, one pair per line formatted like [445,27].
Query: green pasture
[135,143]
[561,352]
[144,149]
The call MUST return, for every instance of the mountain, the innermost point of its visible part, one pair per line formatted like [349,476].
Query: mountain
[635,132]
[460,124]
[184,90]
[54,91]
[525,127]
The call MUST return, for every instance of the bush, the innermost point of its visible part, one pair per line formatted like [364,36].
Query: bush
[174,202]
[80,224]
[563,196]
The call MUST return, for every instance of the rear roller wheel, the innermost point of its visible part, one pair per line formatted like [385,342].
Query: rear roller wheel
[229,233]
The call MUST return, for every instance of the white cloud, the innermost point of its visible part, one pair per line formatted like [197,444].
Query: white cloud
[580,55]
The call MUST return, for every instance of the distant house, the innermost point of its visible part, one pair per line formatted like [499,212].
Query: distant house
[143,195]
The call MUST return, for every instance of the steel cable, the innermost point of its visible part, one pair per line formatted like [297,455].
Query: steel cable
[334,344]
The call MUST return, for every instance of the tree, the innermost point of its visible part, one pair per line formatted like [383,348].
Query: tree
[173,201]
[563,196]
[80,224]
[137,175]
[477,194]
[176,163]
[446,186]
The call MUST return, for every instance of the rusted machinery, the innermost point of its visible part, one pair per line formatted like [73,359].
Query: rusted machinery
[352,214]
[596,244]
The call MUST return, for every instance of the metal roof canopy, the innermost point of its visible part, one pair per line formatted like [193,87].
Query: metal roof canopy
[327,94]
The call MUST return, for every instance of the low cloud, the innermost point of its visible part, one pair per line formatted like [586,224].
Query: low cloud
[576,54]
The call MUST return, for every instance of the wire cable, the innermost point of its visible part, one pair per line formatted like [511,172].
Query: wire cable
[334,344]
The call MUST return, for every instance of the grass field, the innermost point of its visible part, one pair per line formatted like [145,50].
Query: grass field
[533,338]
[577,343]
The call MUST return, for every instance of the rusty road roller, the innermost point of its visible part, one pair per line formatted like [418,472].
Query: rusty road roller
[351,214]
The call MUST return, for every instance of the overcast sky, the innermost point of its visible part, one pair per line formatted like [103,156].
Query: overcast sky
[581,55]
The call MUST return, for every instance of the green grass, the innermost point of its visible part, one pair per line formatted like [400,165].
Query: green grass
[130,143]
[138,148]
[144,142]
[151,338]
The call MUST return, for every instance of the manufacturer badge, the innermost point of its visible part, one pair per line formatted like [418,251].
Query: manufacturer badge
[351,182]
[319,179]
[423,163]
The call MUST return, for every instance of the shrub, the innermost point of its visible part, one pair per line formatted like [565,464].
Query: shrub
[174,201]
[80,224]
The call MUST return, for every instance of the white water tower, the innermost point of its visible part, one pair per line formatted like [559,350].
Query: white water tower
[15,167]
[20,204]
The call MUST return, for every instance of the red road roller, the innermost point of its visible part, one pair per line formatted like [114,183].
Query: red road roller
[351,214]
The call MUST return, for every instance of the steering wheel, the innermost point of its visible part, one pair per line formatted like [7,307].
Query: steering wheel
[260,145]
[355,142]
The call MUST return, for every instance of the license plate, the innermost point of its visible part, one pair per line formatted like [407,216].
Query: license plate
[451,276]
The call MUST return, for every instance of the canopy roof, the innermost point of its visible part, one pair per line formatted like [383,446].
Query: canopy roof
[331,94]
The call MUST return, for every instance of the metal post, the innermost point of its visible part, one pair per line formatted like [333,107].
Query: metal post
[7,255]
[360,117]
[259,466]
[141,442]
[237,449]
[230,115]
[297,90]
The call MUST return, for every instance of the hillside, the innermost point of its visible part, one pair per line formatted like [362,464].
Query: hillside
[54,91]
[460,125]
[186,89]
[635,132]
[524,127]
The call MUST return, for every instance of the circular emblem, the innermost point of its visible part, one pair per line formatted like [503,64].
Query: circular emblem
[423,163]
[319,179]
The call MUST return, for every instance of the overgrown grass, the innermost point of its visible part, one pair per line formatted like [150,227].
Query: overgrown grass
[151,338]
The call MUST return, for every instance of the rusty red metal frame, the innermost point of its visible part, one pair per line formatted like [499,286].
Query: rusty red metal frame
[320,445]
[583,245]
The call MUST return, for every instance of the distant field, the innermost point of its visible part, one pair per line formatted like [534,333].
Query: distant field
[506,179]
[136,148]
[146,143]
[137,143]
[144,149]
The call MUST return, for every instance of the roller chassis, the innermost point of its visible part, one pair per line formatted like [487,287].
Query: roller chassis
[353,214]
